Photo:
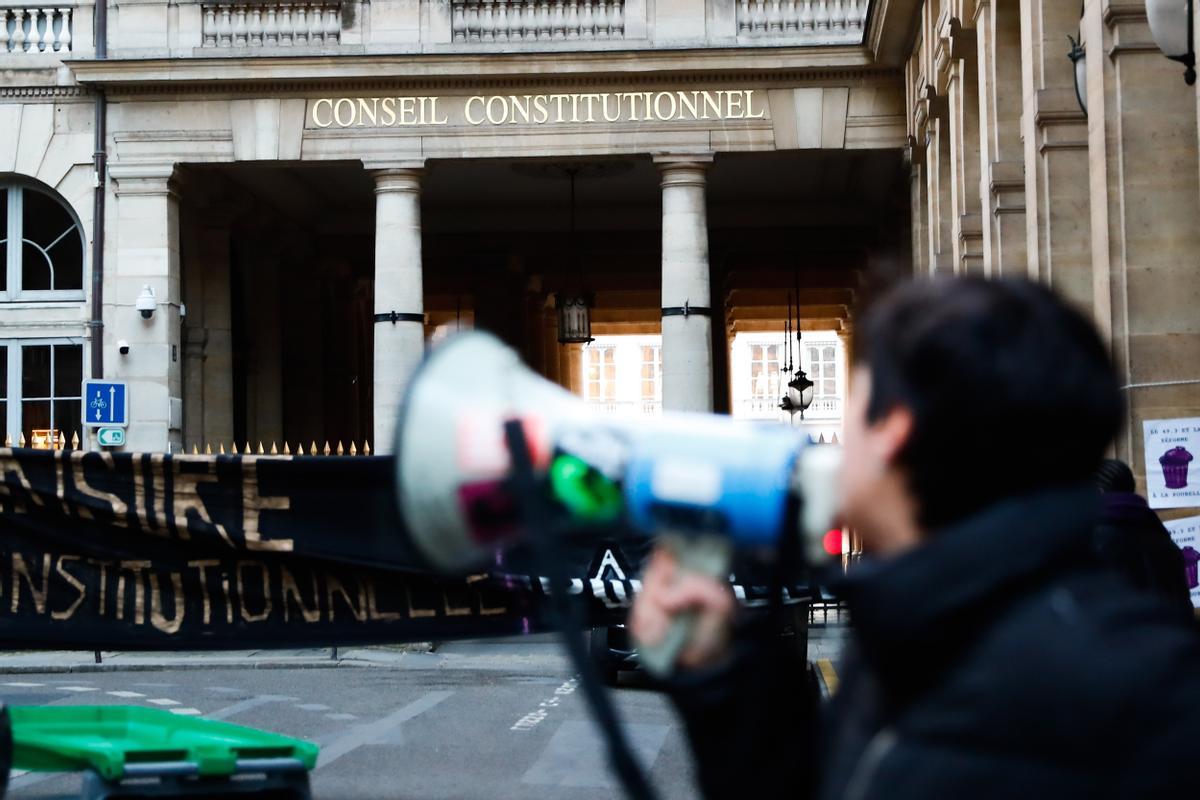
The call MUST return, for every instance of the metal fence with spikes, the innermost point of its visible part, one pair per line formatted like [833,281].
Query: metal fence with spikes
[274,449]
[45,440]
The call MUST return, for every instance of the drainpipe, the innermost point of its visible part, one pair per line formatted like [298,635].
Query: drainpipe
[100,165]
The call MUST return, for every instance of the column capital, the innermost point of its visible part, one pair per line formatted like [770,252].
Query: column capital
[683,169]
[398,178]
[144,179]
[697,160]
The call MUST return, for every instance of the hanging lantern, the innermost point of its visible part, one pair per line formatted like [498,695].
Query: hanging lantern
[799,394]
[1078,56]
[1171,27]
[574,317]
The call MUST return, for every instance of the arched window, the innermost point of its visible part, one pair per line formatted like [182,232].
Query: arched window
[42,245]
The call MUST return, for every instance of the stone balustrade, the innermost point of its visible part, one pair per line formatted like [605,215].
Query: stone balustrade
[36,29]
[807,21]
[537,20]
[304,23]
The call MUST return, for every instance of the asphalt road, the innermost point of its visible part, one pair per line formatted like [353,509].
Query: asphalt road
[475,720]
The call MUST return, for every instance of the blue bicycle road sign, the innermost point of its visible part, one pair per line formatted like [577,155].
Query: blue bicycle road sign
[105,403]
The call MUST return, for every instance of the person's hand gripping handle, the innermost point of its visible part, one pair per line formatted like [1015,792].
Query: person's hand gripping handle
[685,610]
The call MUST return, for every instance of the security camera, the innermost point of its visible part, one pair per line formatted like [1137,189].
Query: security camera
[123,347]
[146,302]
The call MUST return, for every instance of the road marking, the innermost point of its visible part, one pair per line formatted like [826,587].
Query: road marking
[164,701]
[78,689]
[125,694]
[574,756]
[828,675]
[535,717]
[374,731]
[312,707]
[224,689]
[23,684]
[340,716]
[247,704]
[187,712]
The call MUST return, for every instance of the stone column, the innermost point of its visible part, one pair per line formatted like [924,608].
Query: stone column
[687,372]
[399,294]
[1002,184]
[1058,232]
[957,52]
[146,253]
[1145,180]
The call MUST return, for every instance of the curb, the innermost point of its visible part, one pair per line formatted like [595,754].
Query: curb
[48,669]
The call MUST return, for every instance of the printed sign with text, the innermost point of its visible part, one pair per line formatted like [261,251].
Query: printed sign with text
[1171,479]
[1186,534]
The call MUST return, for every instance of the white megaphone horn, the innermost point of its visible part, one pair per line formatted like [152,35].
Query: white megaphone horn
[679,473]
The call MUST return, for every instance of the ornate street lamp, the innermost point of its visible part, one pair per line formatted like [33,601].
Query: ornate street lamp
[1172,29]
[574,317]
[574,308]
[799,394]
[1078,58]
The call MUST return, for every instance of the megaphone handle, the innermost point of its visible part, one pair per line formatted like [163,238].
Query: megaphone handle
[709,556]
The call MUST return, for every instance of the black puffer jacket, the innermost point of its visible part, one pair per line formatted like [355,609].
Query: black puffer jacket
[997,660]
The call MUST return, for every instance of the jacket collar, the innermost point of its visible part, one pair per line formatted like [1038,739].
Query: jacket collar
[909,610]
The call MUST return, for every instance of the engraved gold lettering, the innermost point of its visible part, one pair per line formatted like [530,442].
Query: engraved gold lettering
[689,103]
[497,101]
[762,112]
[733,100]
[520,108]
[433,113]
[328,102]
[367,108]
[467,110]
[658,112]
[408,111]
[558,99]
[347,104]
[387,107]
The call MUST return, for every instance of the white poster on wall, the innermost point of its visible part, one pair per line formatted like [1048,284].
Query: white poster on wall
[1172,481]
[1186,533]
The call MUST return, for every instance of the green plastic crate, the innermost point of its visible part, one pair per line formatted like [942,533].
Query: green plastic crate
[121,741]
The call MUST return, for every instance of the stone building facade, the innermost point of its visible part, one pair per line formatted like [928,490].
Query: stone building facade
[310,188]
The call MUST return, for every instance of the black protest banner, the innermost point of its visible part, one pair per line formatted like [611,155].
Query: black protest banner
[153,551]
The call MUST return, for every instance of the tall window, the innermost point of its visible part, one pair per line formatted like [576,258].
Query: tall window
[822,369]
[41,248]
[651,372]
[40,384]
[764,371]
[601,373]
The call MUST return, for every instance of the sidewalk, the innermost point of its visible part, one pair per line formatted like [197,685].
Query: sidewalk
[44,661]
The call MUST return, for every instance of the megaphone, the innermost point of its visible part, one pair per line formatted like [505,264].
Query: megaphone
[688,475]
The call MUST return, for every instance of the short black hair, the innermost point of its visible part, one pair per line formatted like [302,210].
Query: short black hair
[1114,475]
[1010,388]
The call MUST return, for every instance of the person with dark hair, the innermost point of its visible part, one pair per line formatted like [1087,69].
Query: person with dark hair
[1132,539]
[990,653]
